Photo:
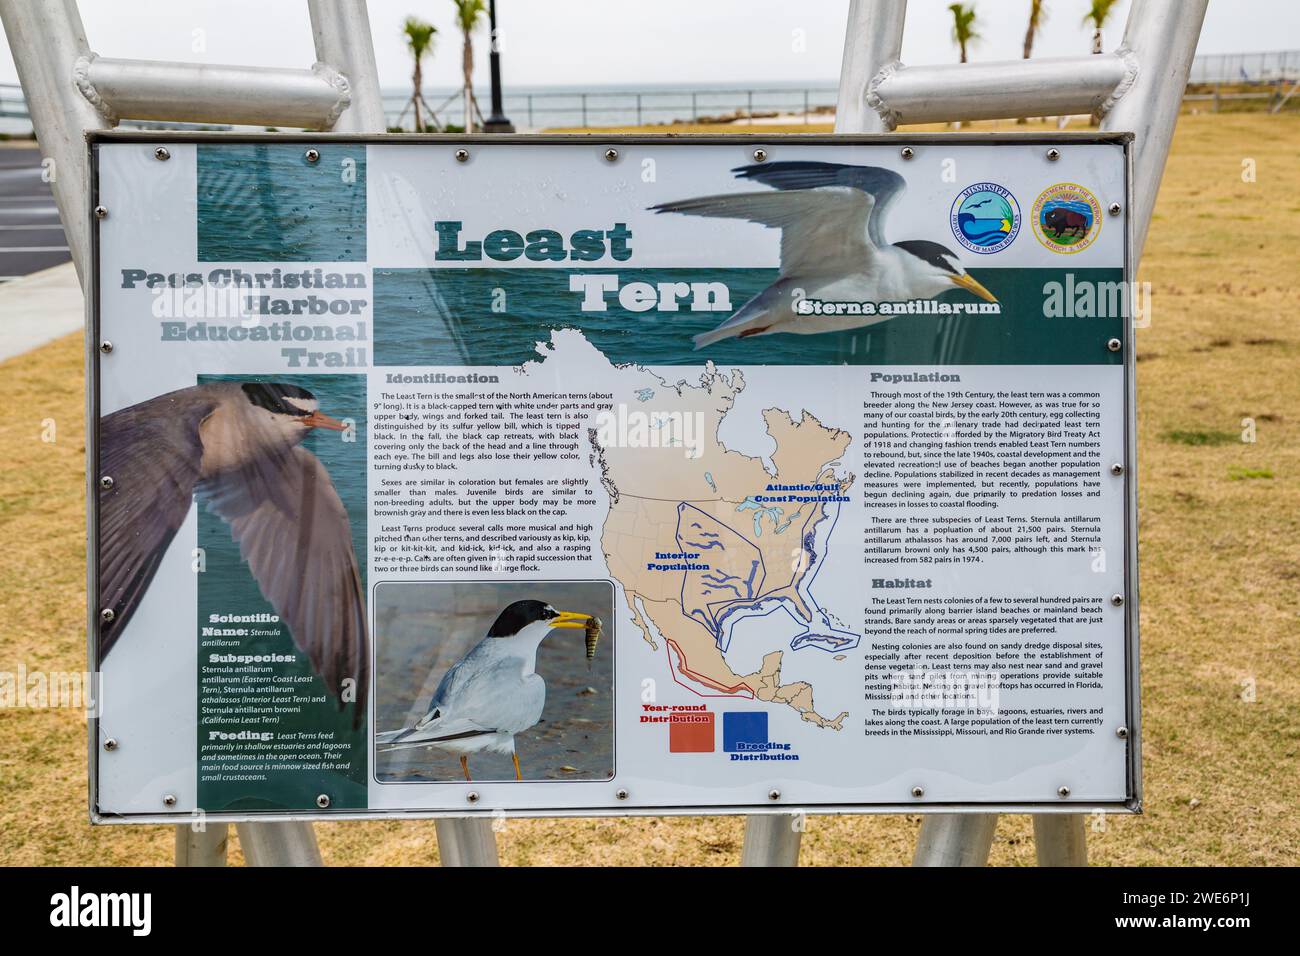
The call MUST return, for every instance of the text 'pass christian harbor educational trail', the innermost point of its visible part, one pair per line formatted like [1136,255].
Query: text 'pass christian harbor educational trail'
[557,479]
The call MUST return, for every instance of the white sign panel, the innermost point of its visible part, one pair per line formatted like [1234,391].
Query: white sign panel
[556,476]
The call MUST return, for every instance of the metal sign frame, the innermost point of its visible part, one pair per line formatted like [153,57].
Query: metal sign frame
[759,813]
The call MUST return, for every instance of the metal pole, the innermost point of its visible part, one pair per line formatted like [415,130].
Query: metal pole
[497,122]
[467,842]
[48,40]
[1060,840]
[279,844]
[205,847]
[1162,35]
[341,32]
[772,839]
[955,839]
[872,43]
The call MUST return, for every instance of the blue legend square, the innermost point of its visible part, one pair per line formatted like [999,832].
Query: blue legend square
[744,730]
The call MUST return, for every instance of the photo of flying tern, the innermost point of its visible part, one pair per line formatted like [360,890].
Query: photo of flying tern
[237,448]
[494,692]
[833,247]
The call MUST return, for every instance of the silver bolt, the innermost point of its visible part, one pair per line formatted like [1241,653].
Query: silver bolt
[1114,345]
[312,155]
[611,154]
[323,801]
[1117,600]
[774,794]
[621,794]
[1117,469]
[462,155]
[107,615]
[1121,733]
[106,482]
[1053,155]
[106,346]
[760,155]
[110,744]
[906,152]
[918,792]
[169,799]
[1114,208]
[1062,791]
[101,212]
[472,796]
[162,154]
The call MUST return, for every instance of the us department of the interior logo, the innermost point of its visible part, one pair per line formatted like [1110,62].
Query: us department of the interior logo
[985,218]
[1066,218]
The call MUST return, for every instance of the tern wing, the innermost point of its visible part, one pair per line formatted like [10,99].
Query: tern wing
[823,229]
[294,533]
[152,452]
[883,185]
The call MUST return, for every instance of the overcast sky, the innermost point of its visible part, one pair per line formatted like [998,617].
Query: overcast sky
[629,42]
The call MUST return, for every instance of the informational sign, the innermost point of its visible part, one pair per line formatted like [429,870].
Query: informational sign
[553,475]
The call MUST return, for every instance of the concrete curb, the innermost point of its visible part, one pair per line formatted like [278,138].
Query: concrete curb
[39,308]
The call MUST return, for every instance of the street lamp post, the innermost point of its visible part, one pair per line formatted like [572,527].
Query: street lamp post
[497,122]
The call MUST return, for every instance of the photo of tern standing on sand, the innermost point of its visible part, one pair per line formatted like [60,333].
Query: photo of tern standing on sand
[494,681]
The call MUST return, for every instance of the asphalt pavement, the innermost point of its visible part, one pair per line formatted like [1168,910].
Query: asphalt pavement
[31,238]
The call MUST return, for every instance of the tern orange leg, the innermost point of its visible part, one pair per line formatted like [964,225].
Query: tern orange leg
[464,765]
[518,775]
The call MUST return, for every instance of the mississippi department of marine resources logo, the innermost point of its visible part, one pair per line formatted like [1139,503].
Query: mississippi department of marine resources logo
[985,218]
[1067,218]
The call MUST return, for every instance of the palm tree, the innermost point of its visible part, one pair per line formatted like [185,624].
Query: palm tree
[419,39]
[963,26]
[1036,17]
[1097,16]
[468,15]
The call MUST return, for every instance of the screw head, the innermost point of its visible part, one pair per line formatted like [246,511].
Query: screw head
[107,615]
[1114,209]
[621,794]
[1117,469]
[918,792]
[1117,600]
[106,482]
[1121,733]
[1053,155]
[106,346]
[1114,345]
[162,154]
[323,801]
[472,796]
[1062,791]
[774,794]
[169,799]
[110,744]
[312,155]
[611,154]
[760,155]
[906,152]
[101,212]
[462,155]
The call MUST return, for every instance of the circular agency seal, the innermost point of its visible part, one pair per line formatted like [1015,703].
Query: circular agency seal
[985,218]
[1066,218]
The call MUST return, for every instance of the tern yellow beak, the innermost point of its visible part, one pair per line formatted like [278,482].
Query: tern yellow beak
[970,285]
[319,419]
[570,619]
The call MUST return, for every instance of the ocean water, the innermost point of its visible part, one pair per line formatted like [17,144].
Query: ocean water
[264,202]
[445,317]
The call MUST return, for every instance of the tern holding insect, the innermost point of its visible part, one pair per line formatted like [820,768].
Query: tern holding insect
[494,691]
[833,247]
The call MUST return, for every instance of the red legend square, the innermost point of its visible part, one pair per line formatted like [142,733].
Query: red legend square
[691,733]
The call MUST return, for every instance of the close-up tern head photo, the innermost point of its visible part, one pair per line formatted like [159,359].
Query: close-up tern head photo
[607,434]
